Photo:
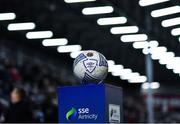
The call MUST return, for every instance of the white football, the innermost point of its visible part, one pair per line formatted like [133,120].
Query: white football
[90,67]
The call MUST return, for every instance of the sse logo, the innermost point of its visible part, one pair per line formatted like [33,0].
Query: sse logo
[83,110]
[71,114]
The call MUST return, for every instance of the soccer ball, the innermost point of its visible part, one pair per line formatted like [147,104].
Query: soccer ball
[90,67]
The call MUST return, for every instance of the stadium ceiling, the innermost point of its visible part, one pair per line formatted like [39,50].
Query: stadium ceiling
[71,21]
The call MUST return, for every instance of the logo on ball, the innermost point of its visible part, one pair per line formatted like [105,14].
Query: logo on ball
[90,64]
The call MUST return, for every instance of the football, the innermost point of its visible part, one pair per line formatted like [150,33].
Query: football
[90,67]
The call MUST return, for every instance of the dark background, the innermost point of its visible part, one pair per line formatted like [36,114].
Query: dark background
[44,67]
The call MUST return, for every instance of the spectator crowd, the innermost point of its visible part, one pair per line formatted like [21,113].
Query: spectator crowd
[28,94]
[39,86]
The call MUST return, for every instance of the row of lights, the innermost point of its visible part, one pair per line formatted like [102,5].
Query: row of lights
[116,69]
[125,73]
[174,63]
[61,42]
[157,53]
[165,12]
[161,54]
[75,49]
[125,31]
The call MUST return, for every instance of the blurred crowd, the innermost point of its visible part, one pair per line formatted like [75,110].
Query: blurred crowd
[134,109]
[28,94]
[39,85]
[30,89]
[166,110]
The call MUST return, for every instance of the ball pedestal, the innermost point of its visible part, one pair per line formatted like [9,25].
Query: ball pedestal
[90,104]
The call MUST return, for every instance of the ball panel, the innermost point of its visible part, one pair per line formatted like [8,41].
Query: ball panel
[79,58]
[79,70]
[89,79]
[102,61]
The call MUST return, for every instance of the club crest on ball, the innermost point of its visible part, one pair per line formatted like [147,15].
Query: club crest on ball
[90,64]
